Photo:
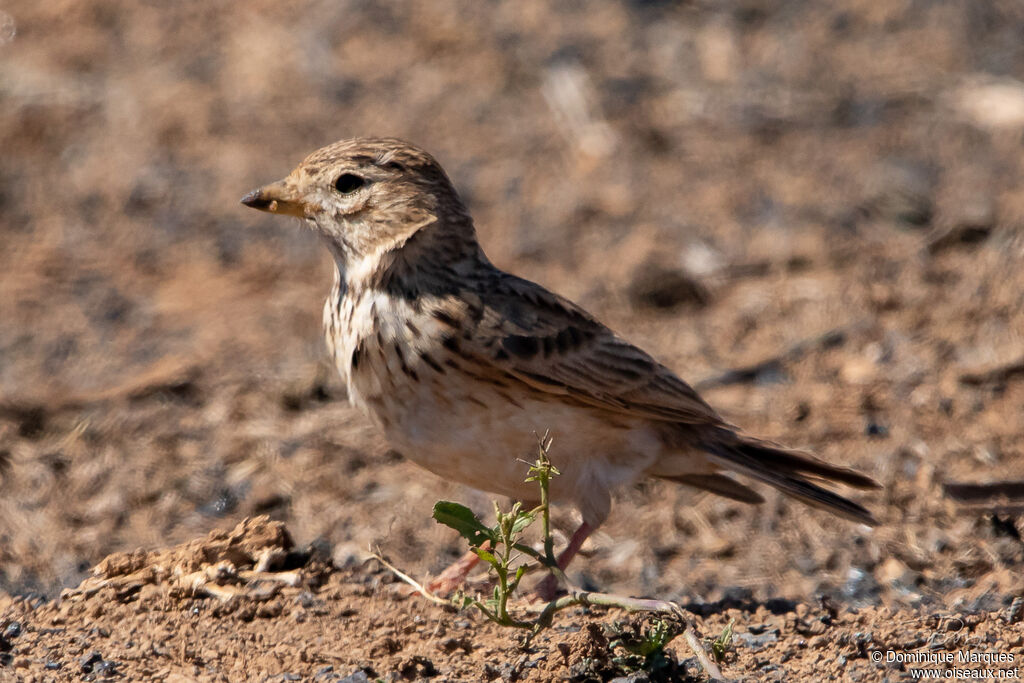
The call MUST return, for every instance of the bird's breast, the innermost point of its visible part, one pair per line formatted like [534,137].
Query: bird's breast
[385,354]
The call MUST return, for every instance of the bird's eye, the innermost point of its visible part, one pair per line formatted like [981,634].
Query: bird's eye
[347,183]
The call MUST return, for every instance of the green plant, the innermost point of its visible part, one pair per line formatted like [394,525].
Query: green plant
[644,649]
[511,560]
[499,545]
[720,645]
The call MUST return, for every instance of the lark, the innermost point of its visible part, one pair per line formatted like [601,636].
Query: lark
[460,364]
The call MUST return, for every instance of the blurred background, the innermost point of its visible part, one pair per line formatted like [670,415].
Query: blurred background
[813,211]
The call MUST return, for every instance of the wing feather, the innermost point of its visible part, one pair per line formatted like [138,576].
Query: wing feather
[553,345]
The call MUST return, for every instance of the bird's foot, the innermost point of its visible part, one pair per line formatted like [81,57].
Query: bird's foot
[451,579]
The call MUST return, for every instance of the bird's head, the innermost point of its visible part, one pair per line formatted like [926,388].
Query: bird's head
[368,197]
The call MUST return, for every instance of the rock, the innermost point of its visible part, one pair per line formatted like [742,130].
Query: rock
[638,677]
[89,661]
[700,259]
[660,287]
[717,52]
[971,224]
[858,370]
[894,572]
[991,104]
[902,191]
[756,642]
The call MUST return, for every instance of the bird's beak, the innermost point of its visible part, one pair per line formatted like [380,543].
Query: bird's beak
[276,197]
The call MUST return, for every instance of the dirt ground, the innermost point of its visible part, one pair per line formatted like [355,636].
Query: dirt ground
[812,211]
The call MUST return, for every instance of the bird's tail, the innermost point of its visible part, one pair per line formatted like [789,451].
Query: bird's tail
[788,470]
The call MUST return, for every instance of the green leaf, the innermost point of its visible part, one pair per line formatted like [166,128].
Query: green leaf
[523,520]
[487,557]
[519,575]
[528,551]
[721,644]
[462,519]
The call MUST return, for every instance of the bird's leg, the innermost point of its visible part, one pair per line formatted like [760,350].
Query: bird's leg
[575,543]
[547,588]
[454,575]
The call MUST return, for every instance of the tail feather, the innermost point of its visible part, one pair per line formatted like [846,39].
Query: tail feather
[793,460]
[785,469]
[720,485]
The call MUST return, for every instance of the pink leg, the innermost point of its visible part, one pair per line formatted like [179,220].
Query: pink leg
[454,575]
[575,543]
[547,588]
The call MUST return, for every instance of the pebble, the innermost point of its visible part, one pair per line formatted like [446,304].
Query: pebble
[894,571]
[632,678]
[658,287]
[86,663]
[757,642]
[357,677]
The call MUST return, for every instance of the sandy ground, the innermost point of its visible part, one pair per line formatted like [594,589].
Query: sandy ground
[811,211]
[221,609]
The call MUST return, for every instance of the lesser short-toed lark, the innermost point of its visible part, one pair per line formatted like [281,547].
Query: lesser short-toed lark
[460,364]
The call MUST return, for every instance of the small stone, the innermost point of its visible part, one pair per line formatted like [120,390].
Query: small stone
[815,628]
[269,611]
[105,667]
[902,191]
[757,642]
[659,287]
[859,370]
[357,677]
[991,103]
[893,571]
[876,429]
[89,661]
[1015,612]
[638,677]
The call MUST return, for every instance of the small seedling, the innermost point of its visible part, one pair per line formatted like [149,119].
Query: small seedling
[499,545]
[720,645]
[645,650]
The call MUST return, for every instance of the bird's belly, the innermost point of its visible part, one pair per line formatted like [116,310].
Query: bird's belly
[478,437]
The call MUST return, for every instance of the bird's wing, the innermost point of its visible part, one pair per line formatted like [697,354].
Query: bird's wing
[517,329]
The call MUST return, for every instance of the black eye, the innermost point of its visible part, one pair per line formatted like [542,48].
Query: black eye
[348,183]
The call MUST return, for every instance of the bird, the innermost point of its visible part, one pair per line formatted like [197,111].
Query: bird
[460,364]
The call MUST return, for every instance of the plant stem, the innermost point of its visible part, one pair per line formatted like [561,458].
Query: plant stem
[420,588]
[712,670]
[506,550]
[544,479]
[606,600]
